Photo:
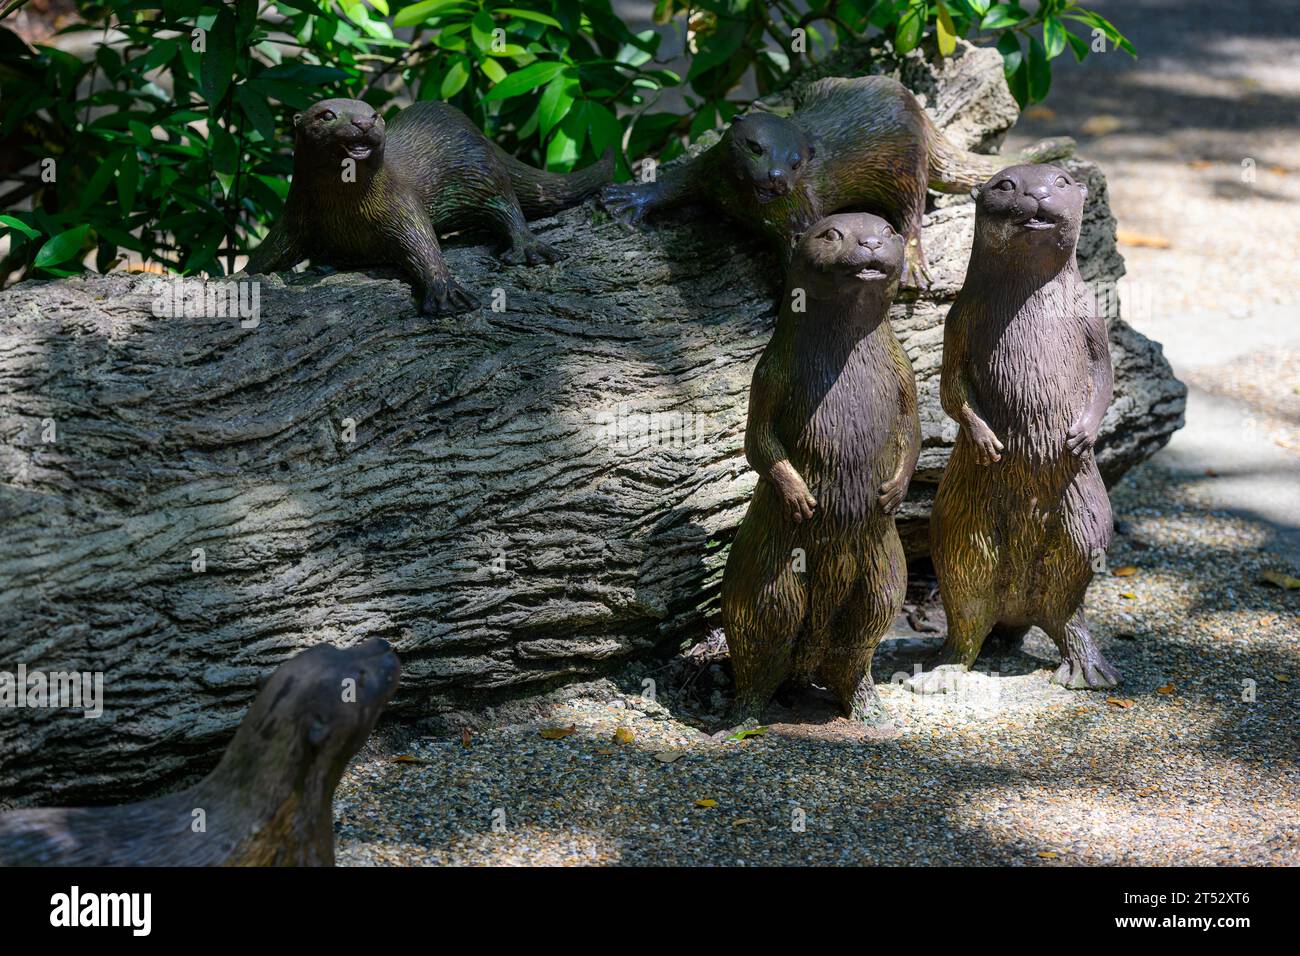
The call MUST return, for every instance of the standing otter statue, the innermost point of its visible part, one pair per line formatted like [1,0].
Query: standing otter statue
[861,143]
[267,803]
[366,194]
[816,572]
[1021,515]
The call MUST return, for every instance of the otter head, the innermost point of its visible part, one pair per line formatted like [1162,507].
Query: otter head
[312,715]
[1030,212]
[769,152]
[847,254]
[332,131]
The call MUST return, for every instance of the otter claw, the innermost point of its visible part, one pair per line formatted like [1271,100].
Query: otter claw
[448,299]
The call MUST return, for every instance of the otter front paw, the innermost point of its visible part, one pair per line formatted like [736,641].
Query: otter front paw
[446,297]
[795,496]
[916,271]
[628,202]
[987,447]
[1081,437]
[892,494]
[533,253]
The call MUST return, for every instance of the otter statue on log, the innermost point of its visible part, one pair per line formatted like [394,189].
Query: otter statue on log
[816,572]
[267,803]
[1021,515]
[365,194]
[861,143]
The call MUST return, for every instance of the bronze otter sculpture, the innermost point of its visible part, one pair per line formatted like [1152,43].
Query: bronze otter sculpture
[1021,514]
[366,193]
[861,143]
[267,803]
[834,435]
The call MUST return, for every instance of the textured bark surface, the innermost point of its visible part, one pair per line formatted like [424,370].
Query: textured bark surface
[504,516]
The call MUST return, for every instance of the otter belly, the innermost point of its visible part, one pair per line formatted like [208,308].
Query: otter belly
[840,431]
[1032,383]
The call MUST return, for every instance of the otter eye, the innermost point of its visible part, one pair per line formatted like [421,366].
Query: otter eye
[1061,182]
[1005,186]
[374,117]
[327,115]
[796,163]
[832,235]
[755,147]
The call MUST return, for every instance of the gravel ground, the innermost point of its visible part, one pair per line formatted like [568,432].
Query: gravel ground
[1267,384]
[1173,768]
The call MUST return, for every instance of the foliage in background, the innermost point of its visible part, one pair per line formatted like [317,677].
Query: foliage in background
[169,134]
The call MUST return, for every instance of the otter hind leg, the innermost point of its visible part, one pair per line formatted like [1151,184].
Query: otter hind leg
[1082,664]
[865,616]
[524,247]
[764,603]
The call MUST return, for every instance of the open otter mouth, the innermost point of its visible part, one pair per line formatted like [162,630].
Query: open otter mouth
[1036,223]
[870,274]
[358,150]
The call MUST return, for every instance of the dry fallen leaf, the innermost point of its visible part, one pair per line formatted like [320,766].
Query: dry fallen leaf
[624,735]
[1039,112]
[1280,580]
[1165,689]
[604,751]
[1121,702]
[1201,164]
[668,756]
[1282,678]
[555,733]
[1148,792]
[1127,571]
[741,821]
[1048,855]
[407,758]
[1101,124]
[465,736]
[1128,594]
[1127,237]
[706,804]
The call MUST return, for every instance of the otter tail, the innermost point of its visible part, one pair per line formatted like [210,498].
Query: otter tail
[954,170]
[543,194]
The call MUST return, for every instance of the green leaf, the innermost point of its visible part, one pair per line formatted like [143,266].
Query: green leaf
[1003,15]
[217,62]
[521,81]
[128,177]
[493,70]
[62,247]
[1040,71]
[14,223]
[557,100]
[1053,37]
[480,30]
[454,80]
[605,129]
[258,112]
[945,31]
[1013,67]
[416,13]
[530,15]
[910,23]
[1078,45]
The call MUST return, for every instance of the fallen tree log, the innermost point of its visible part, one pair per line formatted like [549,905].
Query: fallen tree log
[514,499]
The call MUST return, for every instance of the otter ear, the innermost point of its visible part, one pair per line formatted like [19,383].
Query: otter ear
[974,192]
[1083,188]
[297,120]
